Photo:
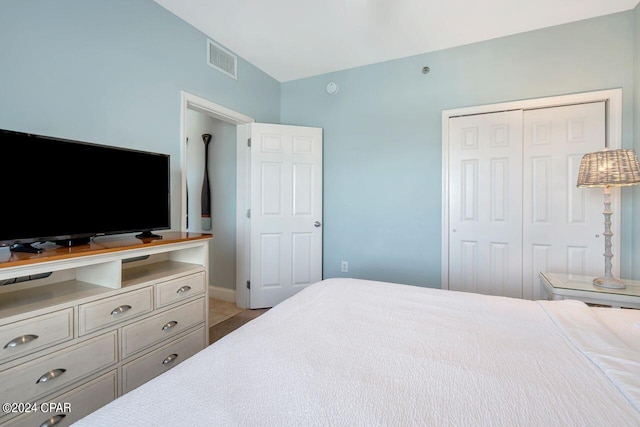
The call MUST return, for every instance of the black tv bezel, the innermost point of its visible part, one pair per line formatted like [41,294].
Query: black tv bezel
[80,238]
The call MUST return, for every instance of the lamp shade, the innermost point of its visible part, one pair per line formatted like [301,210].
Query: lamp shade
[609,168]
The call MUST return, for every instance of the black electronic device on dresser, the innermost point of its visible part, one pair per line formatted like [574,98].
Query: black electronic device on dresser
[66,191]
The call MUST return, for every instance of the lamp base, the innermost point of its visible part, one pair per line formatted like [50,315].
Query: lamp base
[608,282]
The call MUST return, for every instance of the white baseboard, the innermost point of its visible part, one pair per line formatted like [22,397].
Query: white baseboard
[224,294]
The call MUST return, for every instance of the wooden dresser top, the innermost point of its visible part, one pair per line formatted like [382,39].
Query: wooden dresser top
[98,245]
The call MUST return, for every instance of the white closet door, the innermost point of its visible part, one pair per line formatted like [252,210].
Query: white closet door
[562,224]
[485,164]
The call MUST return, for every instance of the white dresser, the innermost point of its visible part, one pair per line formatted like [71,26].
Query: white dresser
[108,317]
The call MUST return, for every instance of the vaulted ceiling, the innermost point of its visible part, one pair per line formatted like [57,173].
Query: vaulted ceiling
[293,39]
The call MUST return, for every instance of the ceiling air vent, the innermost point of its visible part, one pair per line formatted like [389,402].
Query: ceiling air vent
[222,60]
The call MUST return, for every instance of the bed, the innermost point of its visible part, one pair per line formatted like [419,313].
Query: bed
[365,353]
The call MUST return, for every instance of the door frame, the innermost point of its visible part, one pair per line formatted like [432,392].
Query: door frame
[613,112]
[189,101]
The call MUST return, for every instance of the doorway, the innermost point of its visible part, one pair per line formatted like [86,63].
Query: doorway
[227,179]
[219,213]
[278,245]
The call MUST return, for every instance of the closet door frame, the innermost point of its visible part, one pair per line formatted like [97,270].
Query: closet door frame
[613,111]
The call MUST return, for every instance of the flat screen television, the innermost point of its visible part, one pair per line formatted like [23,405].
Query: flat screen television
[63,191]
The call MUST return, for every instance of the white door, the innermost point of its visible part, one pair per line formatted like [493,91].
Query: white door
[485,164]
[562,224]
[514,207]
[286,211]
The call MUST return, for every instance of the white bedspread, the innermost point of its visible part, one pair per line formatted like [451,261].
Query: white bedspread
[363,353]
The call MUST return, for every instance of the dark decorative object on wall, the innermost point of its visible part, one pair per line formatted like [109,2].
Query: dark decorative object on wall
[186,189]
[206,191]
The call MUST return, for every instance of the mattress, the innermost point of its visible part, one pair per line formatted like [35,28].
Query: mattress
[366,353]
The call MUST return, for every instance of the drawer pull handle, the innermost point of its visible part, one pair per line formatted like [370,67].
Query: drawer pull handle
[51,375]
[169,325]
[120,310]
[20,340]
[170,358]
[53,420]
[183,289]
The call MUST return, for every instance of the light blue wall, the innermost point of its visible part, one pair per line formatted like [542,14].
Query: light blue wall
[111,72]
[382,135]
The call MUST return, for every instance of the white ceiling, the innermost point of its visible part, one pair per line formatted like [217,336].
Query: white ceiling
[292,39]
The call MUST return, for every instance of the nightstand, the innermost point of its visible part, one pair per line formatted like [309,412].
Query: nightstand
[571,286]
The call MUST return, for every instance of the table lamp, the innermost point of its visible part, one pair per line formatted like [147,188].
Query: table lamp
[608,168]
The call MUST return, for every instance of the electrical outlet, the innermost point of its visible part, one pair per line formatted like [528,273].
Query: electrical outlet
[344,266]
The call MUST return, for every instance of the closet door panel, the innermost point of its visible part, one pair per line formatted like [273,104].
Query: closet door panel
[485,164]
[562,224]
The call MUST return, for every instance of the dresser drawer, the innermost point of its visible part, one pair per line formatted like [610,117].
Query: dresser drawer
[70,407]
[178,289]
[109,311]
[37,333]
[51,372]
[150,365]
[152,330]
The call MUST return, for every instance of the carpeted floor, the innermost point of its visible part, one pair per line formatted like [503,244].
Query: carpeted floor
[226,317]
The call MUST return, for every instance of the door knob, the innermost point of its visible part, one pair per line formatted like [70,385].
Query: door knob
[317,224]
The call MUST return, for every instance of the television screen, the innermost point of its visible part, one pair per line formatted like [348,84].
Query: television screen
[55,189]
